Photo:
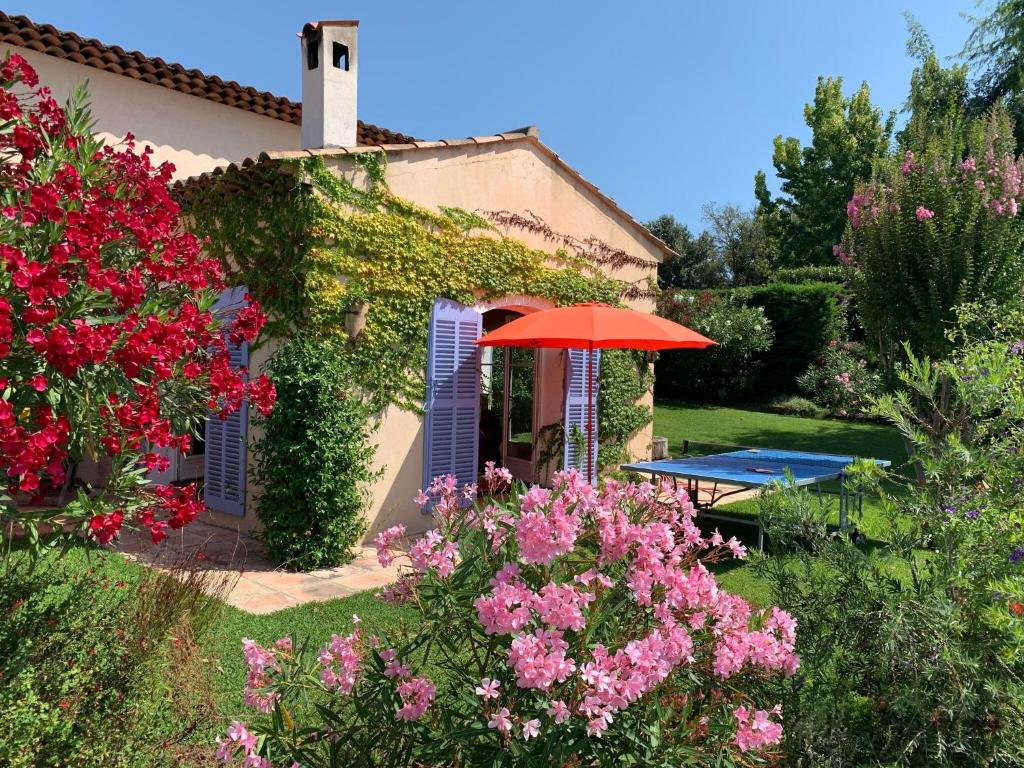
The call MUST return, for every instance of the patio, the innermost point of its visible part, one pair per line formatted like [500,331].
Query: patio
[262,587]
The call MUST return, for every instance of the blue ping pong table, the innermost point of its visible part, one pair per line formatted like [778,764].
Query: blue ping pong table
[756,468]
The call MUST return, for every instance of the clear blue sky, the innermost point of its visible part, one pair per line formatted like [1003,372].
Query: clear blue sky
[664,105]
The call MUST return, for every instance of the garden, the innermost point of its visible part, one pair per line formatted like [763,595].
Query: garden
[874,308]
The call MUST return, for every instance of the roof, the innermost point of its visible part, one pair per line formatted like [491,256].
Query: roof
[252,169]
[22,32]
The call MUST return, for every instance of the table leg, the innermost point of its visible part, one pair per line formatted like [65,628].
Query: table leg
[843,503]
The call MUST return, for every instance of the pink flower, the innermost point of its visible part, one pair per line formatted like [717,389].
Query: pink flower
[340,659]
[531,729]
[754,729]
[385,542]
[488,689]
[417,695]
[500,721]
[434,551]
[559,710]
[908,163]
[39,383]
[923,213]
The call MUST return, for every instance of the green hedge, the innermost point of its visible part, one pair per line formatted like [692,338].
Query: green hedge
[803,318]
[800,275]
[315,459]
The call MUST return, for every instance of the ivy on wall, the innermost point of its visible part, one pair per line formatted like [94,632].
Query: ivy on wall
[342,257]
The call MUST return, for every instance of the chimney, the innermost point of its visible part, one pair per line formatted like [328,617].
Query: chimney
[330,73]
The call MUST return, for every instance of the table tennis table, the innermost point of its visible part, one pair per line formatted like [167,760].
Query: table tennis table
[756,468]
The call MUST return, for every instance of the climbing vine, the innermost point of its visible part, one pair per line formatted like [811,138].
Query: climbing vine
[340,256]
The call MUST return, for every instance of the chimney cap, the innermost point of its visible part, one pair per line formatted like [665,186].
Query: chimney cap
[311,25]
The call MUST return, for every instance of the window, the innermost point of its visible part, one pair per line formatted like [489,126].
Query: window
[521,363]
[339,56]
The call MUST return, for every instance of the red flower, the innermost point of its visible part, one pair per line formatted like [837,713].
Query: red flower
[39,383]
[1017,608]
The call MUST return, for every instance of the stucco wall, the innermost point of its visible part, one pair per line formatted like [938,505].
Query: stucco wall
[195,134]
[517,177]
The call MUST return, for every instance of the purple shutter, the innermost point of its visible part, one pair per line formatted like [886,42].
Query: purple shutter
[452,426]
[576,392]
[226,452]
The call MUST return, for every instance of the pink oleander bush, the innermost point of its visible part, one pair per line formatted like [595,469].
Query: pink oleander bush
[565,626]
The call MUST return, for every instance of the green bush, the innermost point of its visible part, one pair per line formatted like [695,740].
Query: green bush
[99,663]
[809,274]
[804,318]
[913,649]
[841,381]
[723,372]
[314,460]
[796,406]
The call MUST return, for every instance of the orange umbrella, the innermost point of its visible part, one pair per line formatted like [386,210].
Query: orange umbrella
[593,326]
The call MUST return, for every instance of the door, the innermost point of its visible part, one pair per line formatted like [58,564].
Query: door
[226,451]
[452,424]
[576,400]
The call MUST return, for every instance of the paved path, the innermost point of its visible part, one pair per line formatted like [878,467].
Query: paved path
[262,586]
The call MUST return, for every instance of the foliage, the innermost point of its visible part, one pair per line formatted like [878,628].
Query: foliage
[805,320]
[913,651]
[106,336]
[994,47]
[362,267]
[744,248]
[841,382]
[847,135]
[698,263]
[625,378]
[937,107]
[797,406]
[314,459]
[933,231]
[809,274]
[722,372]
[102,671]
[569,626]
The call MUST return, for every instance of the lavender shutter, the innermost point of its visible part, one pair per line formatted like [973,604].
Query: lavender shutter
[226,452]
[452,426]
[576,393]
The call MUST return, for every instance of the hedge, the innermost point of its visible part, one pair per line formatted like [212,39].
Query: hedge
[804,318]
[810,274]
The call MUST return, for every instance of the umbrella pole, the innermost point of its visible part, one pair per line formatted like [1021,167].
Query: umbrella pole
[590,415]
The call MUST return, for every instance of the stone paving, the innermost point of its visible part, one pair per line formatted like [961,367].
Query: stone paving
[262,586]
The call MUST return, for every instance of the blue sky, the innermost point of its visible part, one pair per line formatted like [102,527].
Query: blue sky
[664,105]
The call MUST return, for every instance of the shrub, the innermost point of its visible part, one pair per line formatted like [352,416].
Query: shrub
[556,627]
[809,274]
[841,382]
[933,232]
[106,338]
[796,406]
[913,650]
[804,319]
[722,372]
[99,663]
[314,459]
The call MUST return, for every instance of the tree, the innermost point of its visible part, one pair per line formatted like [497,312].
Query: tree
[996,48]
[107,342]
[697,263]
[935,231]
[847,136]
[740,239]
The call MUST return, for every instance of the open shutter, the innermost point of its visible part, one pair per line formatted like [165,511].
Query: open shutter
[452,428]
[575,451]
[226,450]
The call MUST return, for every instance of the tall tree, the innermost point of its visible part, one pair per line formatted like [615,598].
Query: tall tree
[938,105]
[697,264]
[847,135]
[740,239]
[995,49]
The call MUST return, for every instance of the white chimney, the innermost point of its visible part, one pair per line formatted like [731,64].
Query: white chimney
[330,74]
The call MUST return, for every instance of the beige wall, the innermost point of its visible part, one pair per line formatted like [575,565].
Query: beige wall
[514,176]
[195,134]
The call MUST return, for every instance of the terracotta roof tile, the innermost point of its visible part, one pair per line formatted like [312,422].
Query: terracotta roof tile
[44,38]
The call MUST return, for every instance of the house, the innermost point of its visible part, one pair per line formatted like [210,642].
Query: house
[228,139]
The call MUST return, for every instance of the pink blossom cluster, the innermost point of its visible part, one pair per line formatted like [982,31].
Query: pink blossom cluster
[417,695]
[239,737]
[260,662]
[340,659]
[385,543]
[755,730]
[401,591]
[434,551]
[539,659]
[546,528]
[862,203]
